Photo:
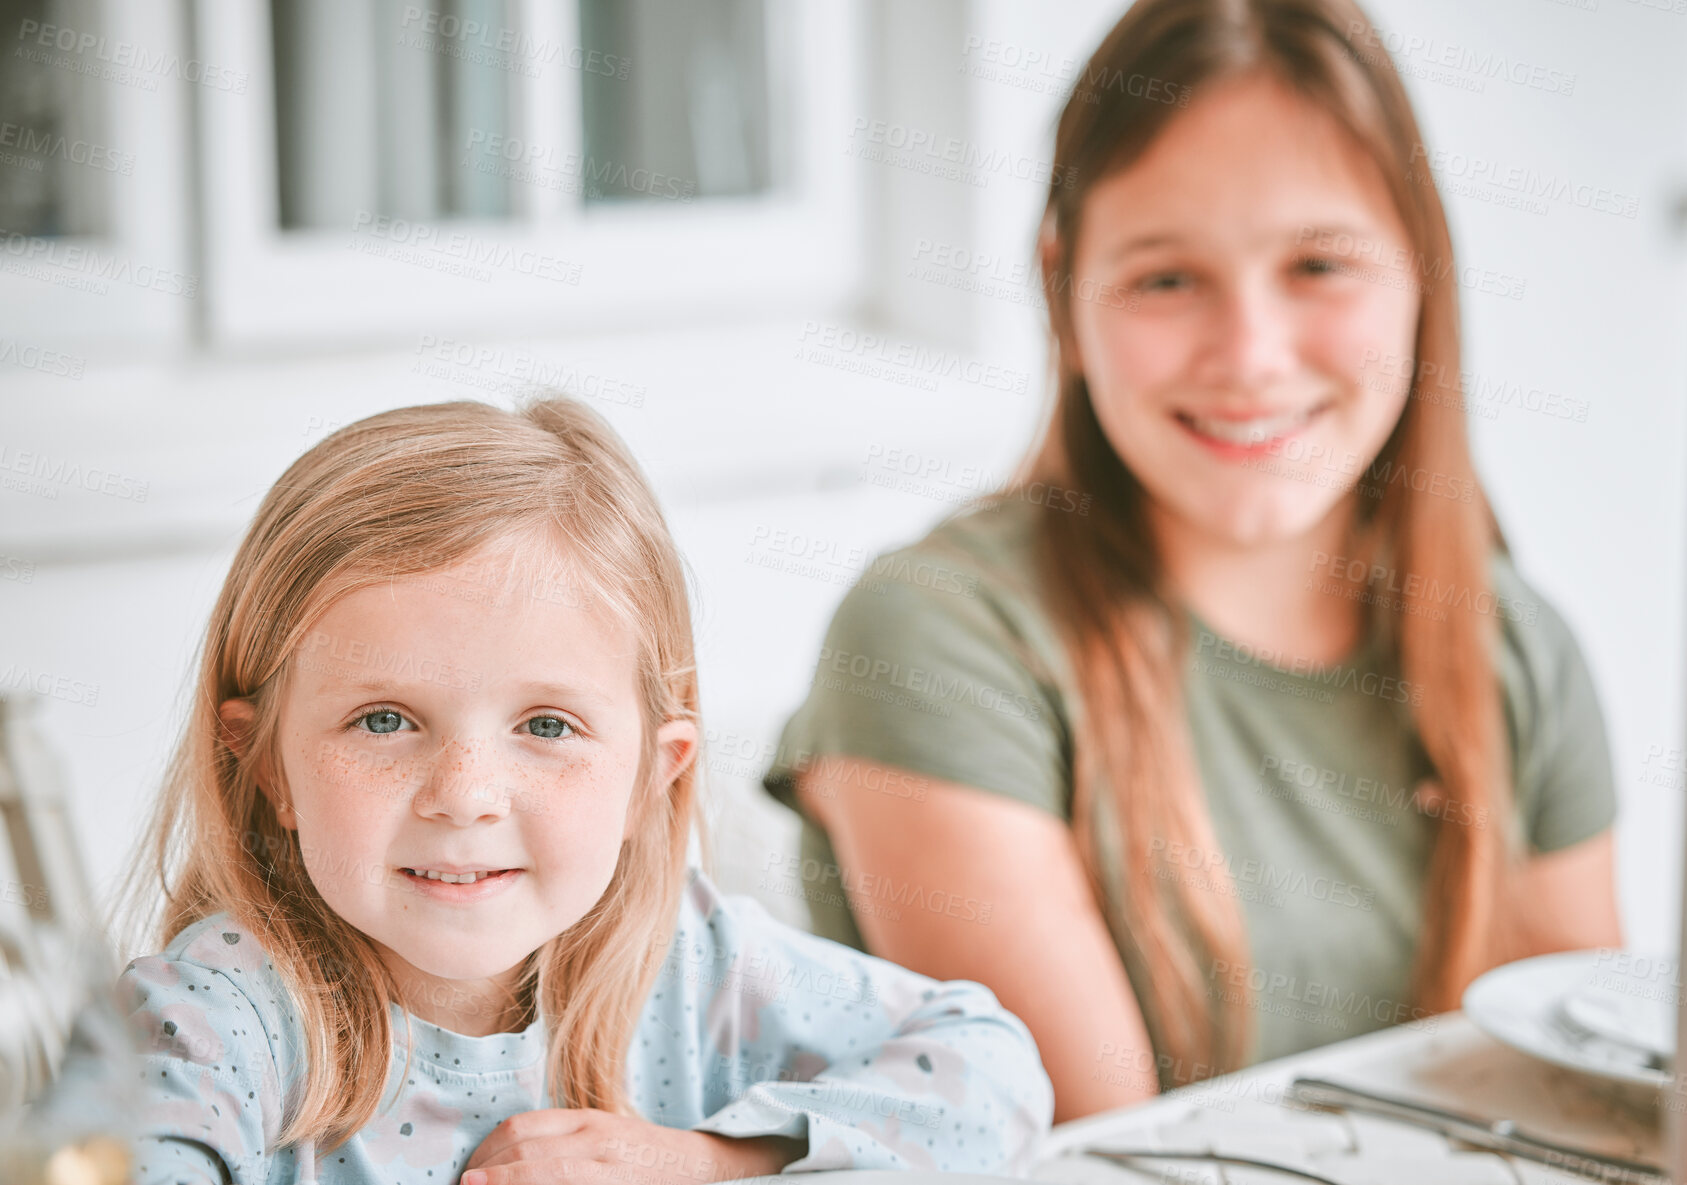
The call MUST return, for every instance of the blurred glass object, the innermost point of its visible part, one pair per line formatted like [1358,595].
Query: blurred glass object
[77,1128]
[68,1070]
[377,101]
[675,90]
[52,159]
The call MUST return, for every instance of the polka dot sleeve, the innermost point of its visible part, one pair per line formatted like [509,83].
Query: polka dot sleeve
[877,1067]
[211,1084]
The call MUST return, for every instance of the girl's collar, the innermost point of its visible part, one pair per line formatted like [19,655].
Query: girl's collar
[451,1051]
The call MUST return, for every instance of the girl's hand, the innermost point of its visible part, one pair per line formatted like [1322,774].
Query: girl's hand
[583,1144]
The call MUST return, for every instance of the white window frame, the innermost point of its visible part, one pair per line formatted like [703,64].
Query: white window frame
[623,265]
[132,291]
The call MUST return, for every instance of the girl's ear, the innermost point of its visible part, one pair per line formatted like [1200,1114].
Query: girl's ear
[676,749]
[1048,245]
[237,716]
[237,719]
[1048,253]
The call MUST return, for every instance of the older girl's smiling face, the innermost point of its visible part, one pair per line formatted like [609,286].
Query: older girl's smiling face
[473,725]
[1248,343]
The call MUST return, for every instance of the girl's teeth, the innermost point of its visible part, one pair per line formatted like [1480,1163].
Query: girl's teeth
[451,878]
[1249,432]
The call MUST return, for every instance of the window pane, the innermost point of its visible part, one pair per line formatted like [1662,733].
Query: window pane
[374,101]
[54,165]
[675,98]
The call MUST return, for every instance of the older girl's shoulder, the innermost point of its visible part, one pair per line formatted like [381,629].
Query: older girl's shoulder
[977,570]
[1555,726]
[1538,650]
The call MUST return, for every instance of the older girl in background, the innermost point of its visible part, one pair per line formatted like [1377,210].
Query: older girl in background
[1238,731]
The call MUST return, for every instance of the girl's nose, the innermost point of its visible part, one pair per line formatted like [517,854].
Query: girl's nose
[463,785]
[1251,344]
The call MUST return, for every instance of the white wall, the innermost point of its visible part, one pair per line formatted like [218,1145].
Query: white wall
[754,430]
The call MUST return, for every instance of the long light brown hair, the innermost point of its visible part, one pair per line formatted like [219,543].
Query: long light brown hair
[400,494]
[1134,768]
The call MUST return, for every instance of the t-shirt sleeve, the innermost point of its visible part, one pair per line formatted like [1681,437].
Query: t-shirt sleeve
[927,667]
[877,1067]
[1563,777]
[211,1088]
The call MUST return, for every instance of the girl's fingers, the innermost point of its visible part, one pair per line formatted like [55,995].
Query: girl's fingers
[533,1172]
[576,1146]
[558,1172]
[542,1148]
[529,1125]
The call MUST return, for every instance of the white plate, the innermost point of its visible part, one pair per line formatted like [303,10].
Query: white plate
[1524,1005]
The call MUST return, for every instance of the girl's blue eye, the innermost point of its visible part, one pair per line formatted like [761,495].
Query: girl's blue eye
[549,727]
[382,720]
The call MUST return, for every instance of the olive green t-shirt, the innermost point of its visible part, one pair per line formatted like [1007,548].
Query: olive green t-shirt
[942,662]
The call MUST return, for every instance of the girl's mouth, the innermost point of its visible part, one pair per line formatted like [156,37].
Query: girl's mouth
[1233,438]
[456,878]
[460,888]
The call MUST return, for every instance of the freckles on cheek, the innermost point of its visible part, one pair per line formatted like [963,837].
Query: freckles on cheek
[356,783]
[581,811]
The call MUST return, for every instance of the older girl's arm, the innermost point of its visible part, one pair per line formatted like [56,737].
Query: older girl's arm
[1044,950]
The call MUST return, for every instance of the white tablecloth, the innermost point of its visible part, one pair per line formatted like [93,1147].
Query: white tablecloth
[1443,1061]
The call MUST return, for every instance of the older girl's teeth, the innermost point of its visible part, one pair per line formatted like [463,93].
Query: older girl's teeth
[1249,432]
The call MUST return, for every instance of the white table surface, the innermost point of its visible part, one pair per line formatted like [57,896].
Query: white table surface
[1442,1061]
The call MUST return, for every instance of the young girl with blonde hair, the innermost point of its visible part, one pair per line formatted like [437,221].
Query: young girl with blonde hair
[426,903]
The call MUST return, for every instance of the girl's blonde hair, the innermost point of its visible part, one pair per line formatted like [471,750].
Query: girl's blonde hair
[400,494]
[1134,772]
